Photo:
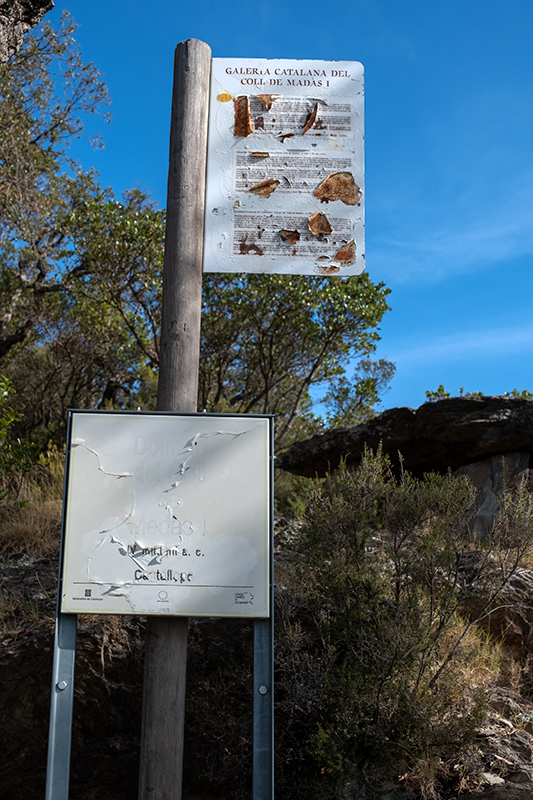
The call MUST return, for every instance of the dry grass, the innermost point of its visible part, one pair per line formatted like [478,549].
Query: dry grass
[20,616]
[477,661]
[466,686]
[30,523]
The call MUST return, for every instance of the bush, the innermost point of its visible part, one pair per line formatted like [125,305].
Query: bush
[16,458]
[31,486]
[382,678]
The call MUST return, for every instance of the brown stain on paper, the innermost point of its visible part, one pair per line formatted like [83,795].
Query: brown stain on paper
[339,186]
[311,117]
[291,237]
[319,224]
[345,255]
[242,123]
[266,100]
[246,248]
[265,188]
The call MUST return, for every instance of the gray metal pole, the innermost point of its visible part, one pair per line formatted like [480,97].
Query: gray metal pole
[263,725]
[263,680]
[62,697]
[166,642]
[58,769]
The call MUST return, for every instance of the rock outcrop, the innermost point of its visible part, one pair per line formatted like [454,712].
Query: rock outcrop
[442,435]
[490,439]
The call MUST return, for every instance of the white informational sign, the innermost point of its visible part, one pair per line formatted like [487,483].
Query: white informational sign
[285,170]
[167,514]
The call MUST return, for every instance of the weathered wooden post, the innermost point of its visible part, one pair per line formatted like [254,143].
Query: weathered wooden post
[166,642]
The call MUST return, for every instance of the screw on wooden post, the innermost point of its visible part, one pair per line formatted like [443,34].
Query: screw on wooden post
[166,641]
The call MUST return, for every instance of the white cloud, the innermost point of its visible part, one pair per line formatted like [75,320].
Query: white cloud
[461,197]
[494,226]
[463,346]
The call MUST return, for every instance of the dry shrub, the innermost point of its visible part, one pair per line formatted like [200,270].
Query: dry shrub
[382,678]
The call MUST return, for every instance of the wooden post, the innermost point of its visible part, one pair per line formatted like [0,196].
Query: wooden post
[166,642]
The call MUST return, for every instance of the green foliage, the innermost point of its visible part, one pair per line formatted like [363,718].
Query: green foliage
[381,672]
[267,342]
[524,394]
[8,415]
[290,493]
[16,459]
[439,394]
[46,93]
[119,247]
[352,401]
[31,493]
[442,394]
[57,350]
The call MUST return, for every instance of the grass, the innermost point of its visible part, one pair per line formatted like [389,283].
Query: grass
[30,522]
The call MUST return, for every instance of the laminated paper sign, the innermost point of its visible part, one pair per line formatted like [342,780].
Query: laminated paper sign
[285,175]
[167,514]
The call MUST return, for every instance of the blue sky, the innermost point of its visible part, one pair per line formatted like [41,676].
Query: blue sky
[449,155]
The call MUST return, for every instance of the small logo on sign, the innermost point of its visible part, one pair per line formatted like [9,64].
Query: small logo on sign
[244,598]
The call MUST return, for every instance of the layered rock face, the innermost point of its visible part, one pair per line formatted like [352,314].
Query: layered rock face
[446,434]
[490,439]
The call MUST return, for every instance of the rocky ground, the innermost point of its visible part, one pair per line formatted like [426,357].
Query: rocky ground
[107,701]
[108,696]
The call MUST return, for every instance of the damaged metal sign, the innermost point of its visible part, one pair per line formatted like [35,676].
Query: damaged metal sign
[285,173]
[167,514]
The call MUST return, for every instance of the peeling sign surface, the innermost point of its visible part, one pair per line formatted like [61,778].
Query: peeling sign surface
[265,188]
[290,236]
[290,143]
[311,119]
[319,224]
[345,255]
[242,122]
[167,514]
[339,186]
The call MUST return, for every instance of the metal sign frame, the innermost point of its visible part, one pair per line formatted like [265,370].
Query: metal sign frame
[62,695]
[167,514]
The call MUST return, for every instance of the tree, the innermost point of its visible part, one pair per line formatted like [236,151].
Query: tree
[80,356]
[61,347]
[266,342]
[119,249]
[80,284]
[280,344]
[46,93]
